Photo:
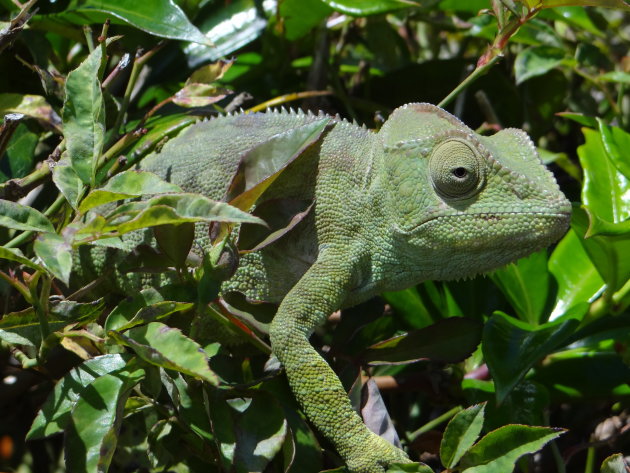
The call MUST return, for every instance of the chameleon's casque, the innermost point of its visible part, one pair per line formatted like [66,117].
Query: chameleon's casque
[423,198]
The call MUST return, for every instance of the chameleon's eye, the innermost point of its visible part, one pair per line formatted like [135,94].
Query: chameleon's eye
[456,169]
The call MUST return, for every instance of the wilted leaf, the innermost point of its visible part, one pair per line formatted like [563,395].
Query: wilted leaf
[460,434]
[261,165]
[22,217]
[199,95]
[450,340]
[500,449]
[511,347]
[375,415]
[169,348]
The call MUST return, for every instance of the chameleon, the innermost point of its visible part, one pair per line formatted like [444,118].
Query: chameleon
[423,198]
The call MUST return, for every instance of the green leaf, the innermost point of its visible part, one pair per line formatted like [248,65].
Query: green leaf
[260,432]
[162,18]
[616,76]
[606,191]
[261,165]
[163,210]
[511,347]
[92,433]
[296,23]
[578,279]
[460,434]
[126,185]
[525,284]
[616,143]
[580,118]
[30,105]
[229,28]
[22,217]
[54,415]
[84,116]
[608,253]
[536,61]
[369,7]
[450,340]
[56,255]
[413,467]
[14,254]
[578,3]
[128,308]
[169,348]
[68,182]
[501,448]
[408,304]
[614,464]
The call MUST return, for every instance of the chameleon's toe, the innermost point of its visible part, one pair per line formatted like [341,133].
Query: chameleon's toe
[375,456]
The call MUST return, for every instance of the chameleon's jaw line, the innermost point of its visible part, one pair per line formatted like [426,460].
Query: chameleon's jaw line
[562,216]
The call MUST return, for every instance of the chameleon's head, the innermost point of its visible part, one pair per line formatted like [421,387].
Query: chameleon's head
[466,203]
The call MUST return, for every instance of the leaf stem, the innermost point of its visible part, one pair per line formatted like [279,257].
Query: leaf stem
[138,64]
[434,423]
[474,75]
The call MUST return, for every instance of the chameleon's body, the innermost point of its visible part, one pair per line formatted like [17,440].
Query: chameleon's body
[423,198]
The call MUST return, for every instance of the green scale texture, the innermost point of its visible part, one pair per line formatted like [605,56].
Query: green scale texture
[423,198]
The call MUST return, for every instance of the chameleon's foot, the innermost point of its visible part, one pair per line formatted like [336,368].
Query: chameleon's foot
[374,456]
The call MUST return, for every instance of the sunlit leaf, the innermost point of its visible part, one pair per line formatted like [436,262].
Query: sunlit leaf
[500,449]
[14,254]
[460,434]
[22,217]
[84,116]
[169,348]
[68,182]
[615,464]
[125,185]
[369,7]
[163,18]
[56,254]
[34,106]
[577,3]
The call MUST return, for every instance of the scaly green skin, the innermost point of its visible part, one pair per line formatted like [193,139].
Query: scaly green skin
[424,198]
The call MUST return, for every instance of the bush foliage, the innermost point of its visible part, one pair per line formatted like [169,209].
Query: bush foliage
[176,378]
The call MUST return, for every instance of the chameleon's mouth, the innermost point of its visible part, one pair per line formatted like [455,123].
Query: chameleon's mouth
[553,222]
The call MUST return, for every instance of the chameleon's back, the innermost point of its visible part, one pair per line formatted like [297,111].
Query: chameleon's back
[204,157]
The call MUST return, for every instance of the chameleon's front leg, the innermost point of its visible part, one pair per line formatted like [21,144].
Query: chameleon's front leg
[315,385]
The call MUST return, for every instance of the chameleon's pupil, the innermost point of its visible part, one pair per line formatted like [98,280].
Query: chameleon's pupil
[459,172]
